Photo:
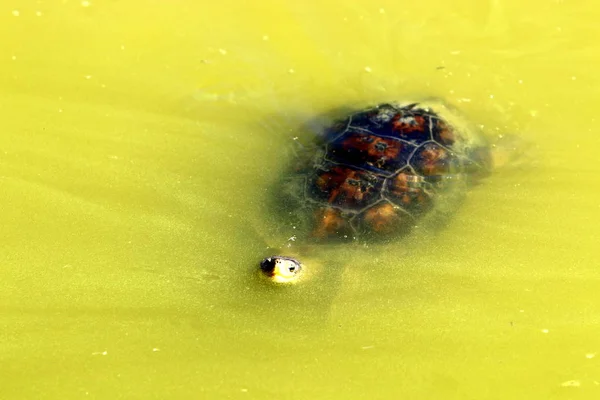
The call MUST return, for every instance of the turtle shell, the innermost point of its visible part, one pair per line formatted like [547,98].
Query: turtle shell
[379,171]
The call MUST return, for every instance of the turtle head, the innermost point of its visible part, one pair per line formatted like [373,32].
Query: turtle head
[280,269]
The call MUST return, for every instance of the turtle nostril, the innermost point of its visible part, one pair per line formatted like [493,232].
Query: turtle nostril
[267,265]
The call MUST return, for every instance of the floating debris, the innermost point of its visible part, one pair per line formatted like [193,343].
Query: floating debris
[572,383]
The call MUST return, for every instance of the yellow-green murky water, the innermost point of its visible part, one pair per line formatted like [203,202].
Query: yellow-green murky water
[139,141]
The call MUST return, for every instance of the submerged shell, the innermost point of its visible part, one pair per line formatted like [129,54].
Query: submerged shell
[379,171]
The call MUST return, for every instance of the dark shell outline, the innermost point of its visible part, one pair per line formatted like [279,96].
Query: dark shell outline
[382,194]
[429,188]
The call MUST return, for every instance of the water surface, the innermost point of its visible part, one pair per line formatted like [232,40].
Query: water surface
[139,145]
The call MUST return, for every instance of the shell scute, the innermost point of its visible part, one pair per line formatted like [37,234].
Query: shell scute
[410,191]
[345,187]
[383,218]
[432,160]
[365,150]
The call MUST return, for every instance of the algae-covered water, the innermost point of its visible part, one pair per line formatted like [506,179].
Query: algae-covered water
[139,145]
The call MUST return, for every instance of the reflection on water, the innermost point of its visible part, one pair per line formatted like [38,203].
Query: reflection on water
[139,146]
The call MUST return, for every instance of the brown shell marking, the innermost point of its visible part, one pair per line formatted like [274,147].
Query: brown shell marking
[329,221]
[432,159]
[407,190]
[408,124]
[346,186]
[384,219]
[444,134]
[365,150]
[374,147]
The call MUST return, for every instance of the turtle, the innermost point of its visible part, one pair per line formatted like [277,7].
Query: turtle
[376,173]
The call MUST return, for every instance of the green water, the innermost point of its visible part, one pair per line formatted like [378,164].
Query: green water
[139,142]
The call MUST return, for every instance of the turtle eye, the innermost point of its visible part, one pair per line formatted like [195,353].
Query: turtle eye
[292,269]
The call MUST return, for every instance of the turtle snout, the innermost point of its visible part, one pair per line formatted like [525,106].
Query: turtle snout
[280,269]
